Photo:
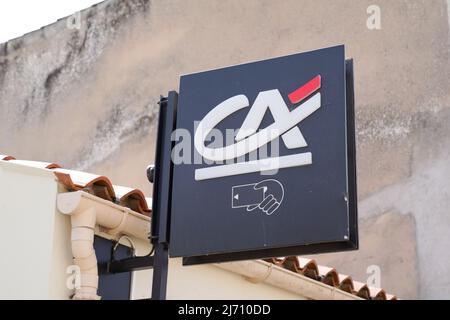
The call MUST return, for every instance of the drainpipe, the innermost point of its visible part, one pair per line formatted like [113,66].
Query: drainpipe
[86,211]
[82,237]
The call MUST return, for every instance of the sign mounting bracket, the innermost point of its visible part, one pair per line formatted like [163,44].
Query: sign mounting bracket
[161,177]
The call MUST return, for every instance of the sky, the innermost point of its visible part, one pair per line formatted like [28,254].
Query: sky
[18,17]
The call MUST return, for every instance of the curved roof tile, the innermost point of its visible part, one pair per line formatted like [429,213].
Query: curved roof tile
[6,158]
[98,185]
[329,276]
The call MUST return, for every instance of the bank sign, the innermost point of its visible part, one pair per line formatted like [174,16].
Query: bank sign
[264,160]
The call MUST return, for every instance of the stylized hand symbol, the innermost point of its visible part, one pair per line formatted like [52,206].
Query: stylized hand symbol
[270,193]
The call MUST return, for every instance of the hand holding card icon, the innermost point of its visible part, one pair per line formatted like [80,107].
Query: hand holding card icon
[265,195]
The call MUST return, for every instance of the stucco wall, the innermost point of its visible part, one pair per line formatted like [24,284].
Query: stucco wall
[87,99]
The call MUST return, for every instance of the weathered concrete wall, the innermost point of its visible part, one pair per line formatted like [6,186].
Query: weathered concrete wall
[87,98]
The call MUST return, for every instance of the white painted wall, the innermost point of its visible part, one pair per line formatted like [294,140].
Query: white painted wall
[27,233]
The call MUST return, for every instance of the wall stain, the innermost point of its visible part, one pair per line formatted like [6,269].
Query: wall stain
[126,9]
[76,45]
[3,61]
[52,78]
[117,128]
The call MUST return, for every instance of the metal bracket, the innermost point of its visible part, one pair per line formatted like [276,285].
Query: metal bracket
[129,264]
[126,265]
[161,177]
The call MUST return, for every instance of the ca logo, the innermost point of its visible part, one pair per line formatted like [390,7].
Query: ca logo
[249,139]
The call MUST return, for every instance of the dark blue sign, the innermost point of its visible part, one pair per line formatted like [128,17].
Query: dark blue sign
[264,160]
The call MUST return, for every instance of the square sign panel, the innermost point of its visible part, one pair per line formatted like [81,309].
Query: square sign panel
[264,161]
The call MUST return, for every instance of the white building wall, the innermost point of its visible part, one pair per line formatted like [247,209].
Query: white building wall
[27,215]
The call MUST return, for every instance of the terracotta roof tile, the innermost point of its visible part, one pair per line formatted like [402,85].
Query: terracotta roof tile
[361,290]
[132,198]
[6,158]
[377,293]
[390,297]
[329,276]
[98,185]
[76,180]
